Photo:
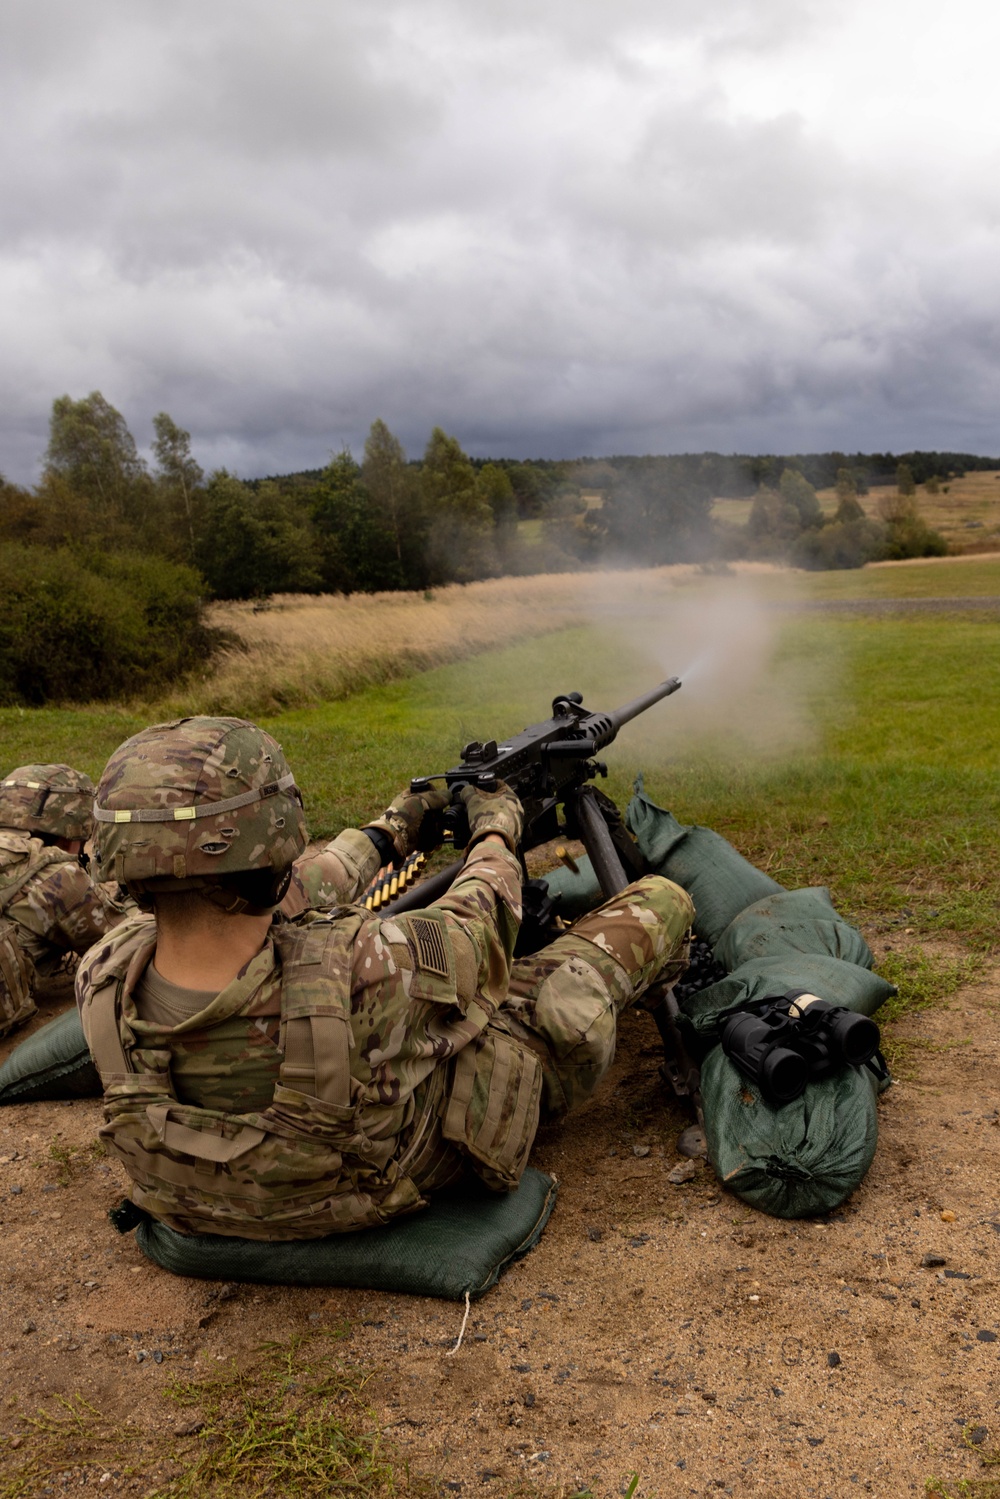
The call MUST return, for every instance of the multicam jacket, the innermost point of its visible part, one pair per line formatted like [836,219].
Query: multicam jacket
[49,894]
[354,1064]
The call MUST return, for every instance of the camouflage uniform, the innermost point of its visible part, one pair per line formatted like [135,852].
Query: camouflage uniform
[360,1061]
[53,906]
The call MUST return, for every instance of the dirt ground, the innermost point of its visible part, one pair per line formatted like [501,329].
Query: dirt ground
[662,1331]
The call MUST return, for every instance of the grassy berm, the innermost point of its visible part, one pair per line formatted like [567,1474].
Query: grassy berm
[663,1339]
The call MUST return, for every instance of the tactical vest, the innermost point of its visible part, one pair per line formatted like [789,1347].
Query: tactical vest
[18,865]
[304,1167]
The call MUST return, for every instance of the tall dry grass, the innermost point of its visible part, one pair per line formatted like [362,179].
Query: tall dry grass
[304,648]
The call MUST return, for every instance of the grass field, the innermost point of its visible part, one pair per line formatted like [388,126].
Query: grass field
[859,750]
[967,513]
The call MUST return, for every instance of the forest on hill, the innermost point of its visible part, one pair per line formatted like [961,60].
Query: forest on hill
[107,561]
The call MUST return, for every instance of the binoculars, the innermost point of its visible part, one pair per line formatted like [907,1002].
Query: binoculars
[793,1040]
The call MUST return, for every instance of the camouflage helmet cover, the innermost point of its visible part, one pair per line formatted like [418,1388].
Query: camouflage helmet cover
[51,799]
[194,798]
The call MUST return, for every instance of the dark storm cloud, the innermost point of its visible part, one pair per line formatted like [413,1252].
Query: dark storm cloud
[553,230]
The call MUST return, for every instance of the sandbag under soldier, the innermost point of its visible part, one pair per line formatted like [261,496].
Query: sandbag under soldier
[50,908]
[293,1079]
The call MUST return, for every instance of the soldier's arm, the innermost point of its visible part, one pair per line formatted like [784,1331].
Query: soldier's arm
[482,912]
[332,876]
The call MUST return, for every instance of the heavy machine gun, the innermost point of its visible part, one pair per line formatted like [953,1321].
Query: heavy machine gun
[552,766]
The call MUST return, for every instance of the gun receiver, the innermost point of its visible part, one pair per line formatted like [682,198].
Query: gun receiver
[548,764]
[551,765]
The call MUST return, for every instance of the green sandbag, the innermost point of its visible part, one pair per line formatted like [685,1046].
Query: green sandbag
[578,893]
[790,921]
[459,1245]
[55,1062]
[718,879]
[797,1161]
[841,983]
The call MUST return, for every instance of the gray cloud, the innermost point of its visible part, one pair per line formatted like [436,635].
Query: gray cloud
[657,226]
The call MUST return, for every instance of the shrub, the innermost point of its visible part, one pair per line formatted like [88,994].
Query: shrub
[75,629]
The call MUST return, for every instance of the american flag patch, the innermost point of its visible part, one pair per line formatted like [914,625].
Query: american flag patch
[432,955]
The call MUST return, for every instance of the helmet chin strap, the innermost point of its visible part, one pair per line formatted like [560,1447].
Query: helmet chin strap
[225,897]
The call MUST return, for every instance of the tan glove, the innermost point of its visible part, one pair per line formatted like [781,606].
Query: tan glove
[413,820]
[497,811]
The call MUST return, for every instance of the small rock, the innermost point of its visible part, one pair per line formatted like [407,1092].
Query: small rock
[833,1360]
[815,1441]
[157,1357]
[29,1327]
[522,1368]
[529,1399]
[931,1261]
[947,1216]
[640,1150]
[692,1143]
[683,1172]
[984,1335]
[978,1435]
[957,1275]
[594,1235]
[189,1429]
[16,1191]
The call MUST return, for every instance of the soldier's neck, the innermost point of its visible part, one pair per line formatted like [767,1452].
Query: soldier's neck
[207,954]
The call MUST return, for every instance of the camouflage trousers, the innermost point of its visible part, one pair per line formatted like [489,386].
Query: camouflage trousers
[564,1001]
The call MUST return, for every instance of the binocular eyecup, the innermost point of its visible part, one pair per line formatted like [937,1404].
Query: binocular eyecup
[787,1042]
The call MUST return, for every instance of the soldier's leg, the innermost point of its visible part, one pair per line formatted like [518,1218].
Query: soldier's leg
[564,1000]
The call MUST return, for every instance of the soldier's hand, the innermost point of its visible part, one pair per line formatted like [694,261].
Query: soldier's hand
[497,811]
[413,820]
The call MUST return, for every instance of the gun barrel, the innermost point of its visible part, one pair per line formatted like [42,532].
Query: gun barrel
[624,715]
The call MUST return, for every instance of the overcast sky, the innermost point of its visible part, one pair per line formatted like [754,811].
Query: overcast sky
[553,227]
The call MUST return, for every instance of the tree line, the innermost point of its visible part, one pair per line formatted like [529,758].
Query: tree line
[107,560]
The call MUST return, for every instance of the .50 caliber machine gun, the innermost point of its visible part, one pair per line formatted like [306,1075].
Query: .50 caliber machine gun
[551,766]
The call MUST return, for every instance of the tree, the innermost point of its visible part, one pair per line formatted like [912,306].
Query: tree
[178,474]
[849,509]
[254,541]
[356,548]
[796,489]
[91,447]
[460,545]
[905,482]
[773,522]
[391,491]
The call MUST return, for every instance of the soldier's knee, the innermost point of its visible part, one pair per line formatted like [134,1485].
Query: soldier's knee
[643,928]
[576,1015]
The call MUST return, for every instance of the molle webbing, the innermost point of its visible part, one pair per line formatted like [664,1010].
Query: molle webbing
[10,889]
[16,974]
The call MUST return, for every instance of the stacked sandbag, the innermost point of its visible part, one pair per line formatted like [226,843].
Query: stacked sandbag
[804,1157]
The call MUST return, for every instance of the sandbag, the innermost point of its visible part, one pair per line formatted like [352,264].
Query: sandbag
[718,879]
[459,1245]
[791,921]
[796,1161]
[577,893]
[841,983]
[55,1062]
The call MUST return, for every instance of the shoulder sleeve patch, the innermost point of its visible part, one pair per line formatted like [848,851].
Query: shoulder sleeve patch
[428,938]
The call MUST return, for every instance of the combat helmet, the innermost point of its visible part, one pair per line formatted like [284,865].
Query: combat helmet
[205,804]
[54,801]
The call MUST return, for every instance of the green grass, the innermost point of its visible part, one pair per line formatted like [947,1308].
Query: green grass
[288,1420]
[865,756]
